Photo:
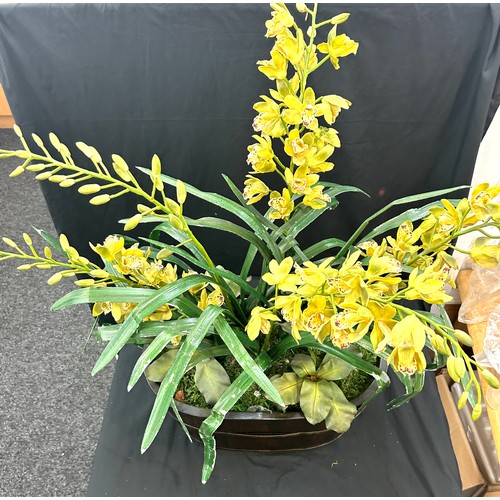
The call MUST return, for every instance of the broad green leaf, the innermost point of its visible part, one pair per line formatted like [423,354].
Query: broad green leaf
[303,365]
[174,375]
[225,403]
[211,379]
[333,368]
[316,400]
[149,306]
[400,201]
[342,412]
[157,370]
[288,386]
[245,360]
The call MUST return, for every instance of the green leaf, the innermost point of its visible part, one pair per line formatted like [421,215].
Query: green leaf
[316,400]
[410,215]
[174,375]
[333,368]
[225,403]
[51,240]
[149,306]
[288,385]
[342,411]
[323,246]
[400,201]
[108,294]
[416,387]
[179,419]
[157,370]
[245,360]
[247,264]
[207,353]
[230,227]
[303,365]
[211,379]
[241,212]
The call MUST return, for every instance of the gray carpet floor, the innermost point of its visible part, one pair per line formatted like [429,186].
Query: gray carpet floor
[50,407]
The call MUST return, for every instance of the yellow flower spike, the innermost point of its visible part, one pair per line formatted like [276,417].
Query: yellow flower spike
[132,222]
[485,255]
[315,198]
[300,182]
[290,46]
[408,338]
[268,121]
[279,275]
[282,204]
[274,68]
[254,190]
[281,19]
[261,155]
[331,106]
[338,46]
[260,322]
[303,112]
[100,199]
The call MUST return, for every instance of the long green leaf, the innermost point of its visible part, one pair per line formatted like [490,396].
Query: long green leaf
[247,264]
[231,227]
[245,360]
[169,385]
[231,206]
[323,246]
[149,355]
[207,353]
[418,385]
[108,294]
[225,403]
[410,215]
[149,306]
[400,201]
[51,240]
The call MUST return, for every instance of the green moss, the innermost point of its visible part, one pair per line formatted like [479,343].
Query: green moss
[352,386]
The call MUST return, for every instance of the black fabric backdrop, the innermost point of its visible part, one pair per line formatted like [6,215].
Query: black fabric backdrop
[180,81]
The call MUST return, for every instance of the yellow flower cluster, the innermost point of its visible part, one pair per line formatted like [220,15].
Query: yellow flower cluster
[292,115]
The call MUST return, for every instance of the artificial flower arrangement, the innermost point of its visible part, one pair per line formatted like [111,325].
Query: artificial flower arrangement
[331,309]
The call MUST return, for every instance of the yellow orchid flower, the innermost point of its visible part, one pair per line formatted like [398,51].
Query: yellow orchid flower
[300,181]
[260,321]
[403,244]
[326,137]
[383,322]
[291,47]
[290,306]
[303,112]
[132,259]
[482,202]
[338,46]
[269,121]
[316,161]
[274,68]
[426,286]
[408,338]
[332,105]
[261,155]
[282,204]
[317,317]
[285,87]
[299,148]
[254,190]
[281,19]
[214,298]
[314,276]
[485,255]
[164,313]
[110,248]
[315,198]
[279,275]
[195,289]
